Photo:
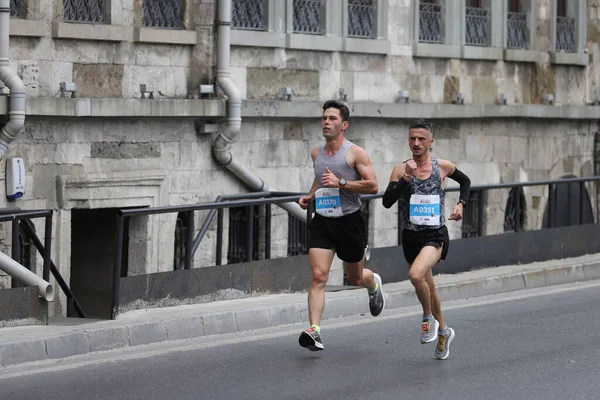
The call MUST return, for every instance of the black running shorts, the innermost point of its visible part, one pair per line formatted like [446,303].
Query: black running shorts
[346,235]
[414,241]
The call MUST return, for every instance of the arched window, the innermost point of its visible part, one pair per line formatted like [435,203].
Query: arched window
[568,204]
[516,200]
[179,254]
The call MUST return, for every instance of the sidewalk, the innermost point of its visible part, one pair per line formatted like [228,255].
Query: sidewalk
[69,337]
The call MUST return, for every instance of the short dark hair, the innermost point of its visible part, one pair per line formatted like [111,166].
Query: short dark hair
[422,124]
[344,110]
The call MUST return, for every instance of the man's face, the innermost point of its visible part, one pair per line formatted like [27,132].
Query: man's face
[419,141]
[331,123]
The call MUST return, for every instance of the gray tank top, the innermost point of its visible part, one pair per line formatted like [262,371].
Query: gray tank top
[422,212]
[339,166]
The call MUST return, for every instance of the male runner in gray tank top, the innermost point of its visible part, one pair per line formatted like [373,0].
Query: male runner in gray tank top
[342,172]
[417,185]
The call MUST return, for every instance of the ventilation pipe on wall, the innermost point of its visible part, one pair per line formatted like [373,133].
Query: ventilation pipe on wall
[234,113]
[12,82]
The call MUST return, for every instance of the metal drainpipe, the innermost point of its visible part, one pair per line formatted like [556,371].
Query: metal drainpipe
[12,82]
[234,113]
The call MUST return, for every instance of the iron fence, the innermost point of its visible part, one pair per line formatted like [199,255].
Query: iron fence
[164,14]
[517,30]
[431,22]
[565,34]
[477,21]
[361,18]
[86,11]
[22,225]
[568,197]
[249,14]
[297,236]
[15,8]
[308,16]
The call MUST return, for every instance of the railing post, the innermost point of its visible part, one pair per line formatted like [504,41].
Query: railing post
[249,232]
[517,209]
[28,227]
[47,246]
[267,231]
[189,238]
[549,206]
[219,237]
[582,202]
[15,249]
[480,212]
[117,266]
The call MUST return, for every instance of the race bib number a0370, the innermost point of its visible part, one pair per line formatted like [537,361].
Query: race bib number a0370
[425,209]
[328,202]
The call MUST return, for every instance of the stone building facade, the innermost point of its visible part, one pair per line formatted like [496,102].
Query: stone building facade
[512,88]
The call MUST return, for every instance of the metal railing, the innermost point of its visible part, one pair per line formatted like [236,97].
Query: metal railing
[431,22]
[517,30]
[308,16]
[21,218]
[361,18]
[15,8]
[477,21]
[249,14]
[473,223]
[191,245]
[85,11]
[565,34]
[165,14]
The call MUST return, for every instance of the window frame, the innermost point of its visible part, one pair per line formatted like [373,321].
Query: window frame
[529,53]
[454,35]
[279,30]
[580,56]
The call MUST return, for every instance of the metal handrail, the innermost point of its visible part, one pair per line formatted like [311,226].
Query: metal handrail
[271,198]
[18,216]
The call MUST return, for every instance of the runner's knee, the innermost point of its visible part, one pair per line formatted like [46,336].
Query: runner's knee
[320,275]
[416,276]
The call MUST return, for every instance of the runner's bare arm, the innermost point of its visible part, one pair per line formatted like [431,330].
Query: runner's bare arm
[304,200]
[362,163]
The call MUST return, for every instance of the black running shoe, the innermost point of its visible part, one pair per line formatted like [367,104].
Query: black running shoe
[311,340]
[376,300]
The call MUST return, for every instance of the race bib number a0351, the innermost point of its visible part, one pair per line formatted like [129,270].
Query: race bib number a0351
[328,202]
[425,209]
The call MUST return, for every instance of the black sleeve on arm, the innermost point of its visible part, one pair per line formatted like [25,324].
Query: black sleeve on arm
[464,182]
[394,191]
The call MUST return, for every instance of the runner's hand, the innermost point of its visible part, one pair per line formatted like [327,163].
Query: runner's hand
[330,180]
[410,167]
[457,213]
[304,201]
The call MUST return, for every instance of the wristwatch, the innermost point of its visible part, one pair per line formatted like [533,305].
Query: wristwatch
[342,183]
[461,201]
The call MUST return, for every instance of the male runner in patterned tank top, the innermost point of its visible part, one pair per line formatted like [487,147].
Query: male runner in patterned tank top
[417,184]
[342,172]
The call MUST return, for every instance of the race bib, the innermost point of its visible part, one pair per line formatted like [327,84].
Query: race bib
[424,209]
[328,202]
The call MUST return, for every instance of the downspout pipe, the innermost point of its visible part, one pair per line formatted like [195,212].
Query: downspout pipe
[23,275]
[12,82]
[234,113]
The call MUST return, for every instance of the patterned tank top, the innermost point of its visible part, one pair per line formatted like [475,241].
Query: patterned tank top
[422,206]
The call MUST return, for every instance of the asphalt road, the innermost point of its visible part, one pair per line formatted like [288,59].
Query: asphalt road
[529,345]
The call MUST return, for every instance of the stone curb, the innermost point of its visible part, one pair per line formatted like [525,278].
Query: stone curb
[342,304]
